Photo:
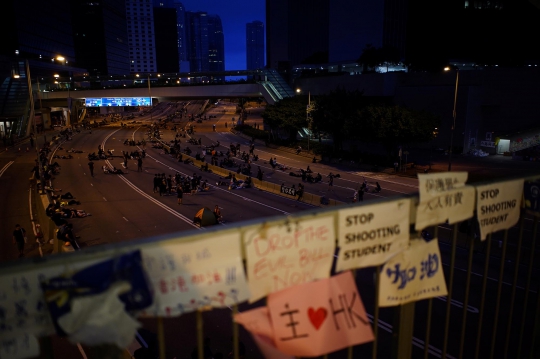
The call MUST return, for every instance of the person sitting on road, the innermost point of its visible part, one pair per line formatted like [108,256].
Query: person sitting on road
[217,213]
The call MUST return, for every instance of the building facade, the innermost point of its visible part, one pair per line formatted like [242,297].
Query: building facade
[166,40]
[141,39]
[254,45]
[216,44]
[197,40]
[100,37]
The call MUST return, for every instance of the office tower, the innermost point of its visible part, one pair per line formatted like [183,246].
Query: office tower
[183,63]
[216,45]
[254,45]
[166,40]
[100,36]
[140,26]
[197,40]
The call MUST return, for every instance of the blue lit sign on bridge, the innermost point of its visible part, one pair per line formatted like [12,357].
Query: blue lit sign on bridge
[118,101]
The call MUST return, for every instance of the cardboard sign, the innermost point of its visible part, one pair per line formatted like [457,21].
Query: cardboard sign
[369,236]
[188,276]
[288,254]
[444,196]
[319,317]
[412,275]
[498,206]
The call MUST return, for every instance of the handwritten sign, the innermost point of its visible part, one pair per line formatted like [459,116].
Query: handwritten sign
[288,190]
[288,254]
[257,322]
[189,276]
[444,196]
[413,275]
[319,317]
[19,346]
[368,236]
[498,206]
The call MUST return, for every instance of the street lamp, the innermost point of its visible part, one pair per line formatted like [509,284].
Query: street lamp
[454,119]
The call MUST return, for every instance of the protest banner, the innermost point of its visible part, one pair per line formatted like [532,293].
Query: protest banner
[412,275]
[369,236]
[193,275]
[443,196]
[288,254]
[498,205]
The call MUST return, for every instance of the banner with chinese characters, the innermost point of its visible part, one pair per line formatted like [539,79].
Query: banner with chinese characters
[498,206]
[319,317]
[369,236]
[19,346]
[192,275]
[413,275]
[444,196]
[288,254]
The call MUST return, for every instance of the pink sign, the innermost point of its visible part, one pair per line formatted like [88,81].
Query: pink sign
[320,317]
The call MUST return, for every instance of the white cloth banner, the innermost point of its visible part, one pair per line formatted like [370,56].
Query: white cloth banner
[444,196]
[370,235]
[288,254]
[413,275]
[498,206]
[19,346]
[193,275]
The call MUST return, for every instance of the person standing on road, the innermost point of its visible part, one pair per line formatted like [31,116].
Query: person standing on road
[139,164]
[330,181]
[179,193]
[217,213]
[300,192]
[19,237]
[91,167]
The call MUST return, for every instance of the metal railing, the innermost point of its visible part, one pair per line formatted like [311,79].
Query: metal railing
[492,309]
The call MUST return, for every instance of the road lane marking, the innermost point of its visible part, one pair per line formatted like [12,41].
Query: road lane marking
[105,199]
[4,169]
[125,219]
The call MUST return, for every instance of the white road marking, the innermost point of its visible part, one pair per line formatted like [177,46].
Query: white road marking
[105,199]
[125,219]
[4,169]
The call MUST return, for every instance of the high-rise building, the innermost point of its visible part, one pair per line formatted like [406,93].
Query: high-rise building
[166,40]
[142,45]
[216,44]
[100,36]
[254,45]
[183,63]
[197,40]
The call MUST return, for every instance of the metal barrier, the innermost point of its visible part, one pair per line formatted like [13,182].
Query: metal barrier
[492,309]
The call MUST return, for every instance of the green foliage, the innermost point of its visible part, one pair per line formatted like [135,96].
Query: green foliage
[336,113]
[288,114]
[396,125]
[252,132]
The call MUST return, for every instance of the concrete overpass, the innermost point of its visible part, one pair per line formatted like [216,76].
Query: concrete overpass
[168,93]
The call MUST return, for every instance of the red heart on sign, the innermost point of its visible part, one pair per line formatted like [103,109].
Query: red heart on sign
[317,317]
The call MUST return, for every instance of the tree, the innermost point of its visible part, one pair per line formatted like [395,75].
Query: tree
[336,113]
[288,114]
[397,125]
[370,58]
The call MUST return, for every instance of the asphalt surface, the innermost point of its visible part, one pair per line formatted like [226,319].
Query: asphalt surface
[124,207]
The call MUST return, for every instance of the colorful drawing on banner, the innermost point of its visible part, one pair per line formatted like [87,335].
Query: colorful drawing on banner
[498,206]
[444,197]
[257,322]
[305,324]
[19,346]
[368,236]
[288,254]
[193,275]
[413,275]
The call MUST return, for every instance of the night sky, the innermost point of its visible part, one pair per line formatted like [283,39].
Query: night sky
[234,14]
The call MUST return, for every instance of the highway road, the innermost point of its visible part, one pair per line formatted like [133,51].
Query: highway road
[124,208]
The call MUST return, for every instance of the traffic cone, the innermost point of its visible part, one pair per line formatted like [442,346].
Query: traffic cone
[19,149]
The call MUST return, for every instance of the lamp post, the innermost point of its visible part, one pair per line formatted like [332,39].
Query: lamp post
[453,120]
[150,95]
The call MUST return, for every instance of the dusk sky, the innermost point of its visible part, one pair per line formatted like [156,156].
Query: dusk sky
[234,14]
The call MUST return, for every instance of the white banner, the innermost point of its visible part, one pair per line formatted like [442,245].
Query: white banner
[193,275]
[444,196]
[498,206]
[288,254]
[368,236]
[413,275]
